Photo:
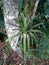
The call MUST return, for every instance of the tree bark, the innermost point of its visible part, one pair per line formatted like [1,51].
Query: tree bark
[10,16]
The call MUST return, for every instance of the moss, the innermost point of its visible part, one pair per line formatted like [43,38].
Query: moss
[28,8]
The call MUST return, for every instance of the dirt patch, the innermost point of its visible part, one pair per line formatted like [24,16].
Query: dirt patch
[14,59]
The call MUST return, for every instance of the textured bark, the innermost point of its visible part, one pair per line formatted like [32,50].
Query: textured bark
[10,14]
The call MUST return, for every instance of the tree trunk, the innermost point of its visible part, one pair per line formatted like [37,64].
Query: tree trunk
[10,16]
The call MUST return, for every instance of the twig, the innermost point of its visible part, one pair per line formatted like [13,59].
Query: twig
[35,8]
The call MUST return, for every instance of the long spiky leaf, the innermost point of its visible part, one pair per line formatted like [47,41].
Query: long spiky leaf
[37,25]
[28,42]
[24,42]
[35,31]
[33,36]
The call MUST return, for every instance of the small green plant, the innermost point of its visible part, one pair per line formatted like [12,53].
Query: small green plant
[30,34]
[27,32]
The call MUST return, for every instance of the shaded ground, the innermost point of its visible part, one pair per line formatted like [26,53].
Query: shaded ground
[9,57]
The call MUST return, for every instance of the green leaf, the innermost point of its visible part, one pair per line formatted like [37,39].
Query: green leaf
[24,42]
[36,31]
[28,42]
[21,40]
[33,37]
[37,25]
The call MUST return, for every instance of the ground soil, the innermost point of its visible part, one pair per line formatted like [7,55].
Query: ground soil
[14,59]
